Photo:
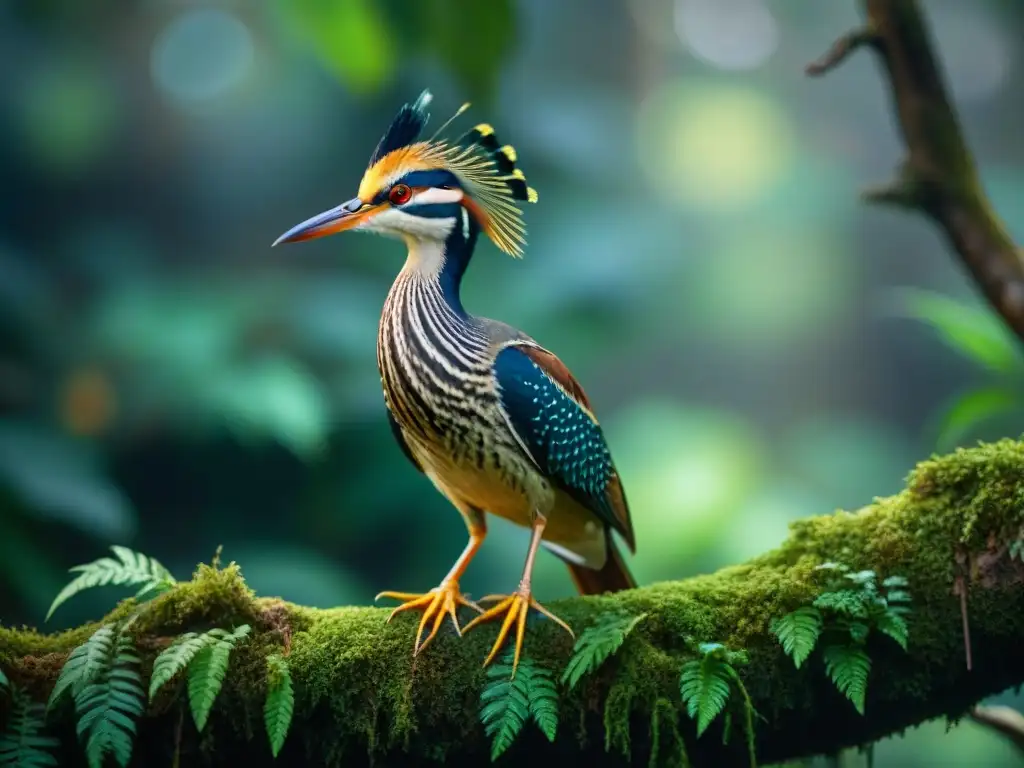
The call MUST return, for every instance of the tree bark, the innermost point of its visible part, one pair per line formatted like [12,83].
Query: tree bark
[362,698]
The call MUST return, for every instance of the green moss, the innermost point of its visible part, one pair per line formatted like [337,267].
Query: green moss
[360,695]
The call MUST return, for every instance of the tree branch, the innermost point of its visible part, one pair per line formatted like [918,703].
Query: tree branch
[360,694]
[938,176]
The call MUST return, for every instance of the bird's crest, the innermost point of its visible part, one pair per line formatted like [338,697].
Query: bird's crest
[485,168]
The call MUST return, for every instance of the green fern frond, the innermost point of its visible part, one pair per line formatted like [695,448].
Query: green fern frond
[84,664]
[4,682]
[798,632]
[704,686]
[895,581]
[22,743]
[849,602]
[543,697]
[893,625]
[898,596]
[207,670]
[129,568]
[109,706]
[830,566]
[849,667]
[597,644]
[280,703]
[174,658]
[858,631]
[505,704]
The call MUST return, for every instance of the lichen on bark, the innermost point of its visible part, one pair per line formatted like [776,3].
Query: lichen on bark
[361,697]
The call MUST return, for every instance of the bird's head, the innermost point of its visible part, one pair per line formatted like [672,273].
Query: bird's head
[418,190]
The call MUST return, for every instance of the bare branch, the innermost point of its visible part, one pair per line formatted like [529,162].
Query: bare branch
[840,49]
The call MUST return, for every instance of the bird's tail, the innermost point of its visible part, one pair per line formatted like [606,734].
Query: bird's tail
[613,576]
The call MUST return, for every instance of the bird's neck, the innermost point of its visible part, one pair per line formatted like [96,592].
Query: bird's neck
[442,263]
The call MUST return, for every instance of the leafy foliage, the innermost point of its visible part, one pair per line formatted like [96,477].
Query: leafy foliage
[22,743]
[507,702]
[130,568]
[848,666]
[597,644]
[798,632]
[980,335]
[280,703]
[845,616]
[84,664]
[207,670]
[109,705]
[174,658]
[4,682]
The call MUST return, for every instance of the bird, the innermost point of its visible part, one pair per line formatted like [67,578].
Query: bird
[496,421]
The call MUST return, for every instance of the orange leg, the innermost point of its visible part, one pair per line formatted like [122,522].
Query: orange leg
[444,599]
[516,606]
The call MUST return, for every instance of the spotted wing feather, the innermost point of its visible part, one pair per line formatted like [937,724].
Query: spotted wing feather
[549,412]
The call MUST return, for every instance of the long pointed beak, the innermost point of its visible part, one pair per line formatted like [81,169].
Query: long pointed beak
[345,216]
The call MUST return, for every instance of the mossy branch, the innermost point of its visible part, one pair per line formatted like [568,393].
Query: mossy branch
[938,176]
[359,694]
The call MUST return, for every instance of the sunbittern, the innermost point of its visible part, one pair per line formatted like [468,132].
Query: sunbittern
[496,421]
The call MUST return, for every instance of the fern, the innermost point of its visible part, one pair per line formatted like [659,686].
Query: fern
[4,682]
[798,632]
[280,703]
[849,667]
[84,664]
[506,703]
[597,644]
[894,626]
[174,659]
[704,686]
[22,743]
[207,670]
[849,602]
[109,705]
[129,568]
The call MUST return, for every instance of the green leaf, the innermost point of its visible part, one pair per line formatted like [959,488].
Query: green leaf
[4,682]
[893,625]
[1016,551]
[704,686]
[175,658]
[859,631]
[84,664]
[280,703]
[861,577]
[109,706]
[597,644]
[898,596]
[22,743]
[977,333]
[848,602]
[849,667]
[798,632]
[351,39]
[895,581]
[505,705]
[129,568]
[970,409]
[207,670]
[830,566]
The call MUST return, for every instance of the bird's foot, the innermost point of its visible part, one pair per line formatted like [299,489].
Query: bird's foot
[443,600]
[515,607]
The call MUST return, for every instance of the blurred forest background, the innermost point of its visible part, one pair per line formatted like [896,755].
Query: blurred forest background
[699,257]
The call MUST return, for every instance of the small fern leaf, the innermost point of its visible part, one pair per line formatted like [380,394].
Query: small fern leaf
[505,704]
[129,568]
[84,664]
[848,602]
[4,682]
[109,707]
[543,697]
[704,687]
[798,632]
[280,703]
[893,625]
[895,581]
[597,644]
[207,670]
[173,659]
[898,596]
[22,743]
[849,667]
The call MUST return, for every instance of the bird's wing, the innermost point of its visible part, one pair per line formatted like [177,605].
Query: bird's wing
[550,416]
[400,438]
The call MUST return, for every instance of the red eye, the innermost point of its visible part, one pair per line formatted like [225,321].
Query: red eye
[400,194]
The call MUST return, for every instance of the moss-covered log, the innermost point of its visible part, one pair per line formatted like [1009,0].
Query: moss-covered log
[360,697]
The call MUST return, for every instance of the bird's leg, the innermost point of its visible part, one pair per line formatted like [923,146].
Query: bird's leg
[444,599]
[516,606]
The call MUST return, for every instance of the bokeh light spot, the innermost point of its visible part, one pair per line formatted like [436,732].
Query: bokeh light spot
[729,34]
[712,147]
[201,55]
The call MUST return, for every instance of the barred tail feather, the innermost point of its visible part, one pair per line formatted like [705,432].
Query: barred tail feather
[613,576]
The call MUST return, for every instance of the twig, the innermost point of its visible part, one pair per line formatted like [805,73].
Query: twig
[1005,720]
[938,176]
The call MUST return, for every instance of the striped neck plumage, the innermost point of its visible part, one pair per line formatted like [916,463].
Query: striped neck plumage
[442,263]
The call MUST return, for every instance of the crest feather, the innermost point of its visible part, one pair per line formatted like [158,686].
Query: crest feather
[405,128]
